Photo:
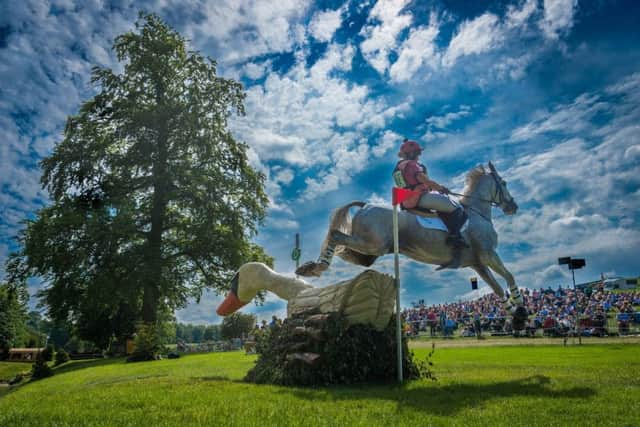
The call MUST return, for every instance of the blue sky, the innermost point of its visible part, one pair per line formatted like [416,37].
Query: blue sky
[547,90]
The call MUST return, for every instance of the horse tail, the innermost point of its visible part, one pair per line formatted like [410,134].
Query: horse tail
[340,221]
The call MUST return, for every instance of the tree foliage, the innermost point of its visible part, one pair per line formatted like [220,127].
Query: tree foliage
[13,316]
[237,325]
[153,200]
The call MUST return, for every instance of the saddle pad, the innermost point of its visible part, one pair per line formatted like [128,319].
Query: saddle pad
[433,223]
[437,224]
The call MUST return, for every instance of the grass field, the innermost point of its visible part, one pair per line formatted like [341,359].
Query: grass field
[545,385]
[8,370]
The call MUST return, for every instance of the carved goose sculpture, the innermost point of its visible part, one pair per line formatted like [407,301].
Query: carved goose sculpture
[369,298]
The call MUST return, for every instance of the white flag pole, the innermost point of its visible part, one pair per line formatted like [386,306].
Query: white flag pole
[397,283]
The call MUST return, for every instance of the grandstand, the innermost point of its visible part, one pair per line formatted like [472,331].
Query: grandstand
[561,312]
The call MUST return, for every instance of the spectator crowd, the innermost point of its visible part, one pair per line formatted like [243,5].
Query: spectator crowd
[553,312]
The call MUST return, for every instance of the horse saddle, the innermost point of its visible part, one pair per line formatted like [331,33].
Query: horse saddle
[425,213]
[431,219]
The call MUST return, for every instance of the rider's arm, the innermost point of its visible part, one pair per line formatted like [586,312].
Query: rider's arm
[424,179]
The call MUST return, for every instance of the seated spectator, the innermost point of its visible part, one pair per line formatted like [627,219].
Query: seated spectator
[549,327]
[623,323]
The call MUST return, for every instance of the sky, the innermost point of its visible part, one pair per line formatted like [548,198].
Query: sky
[549,91]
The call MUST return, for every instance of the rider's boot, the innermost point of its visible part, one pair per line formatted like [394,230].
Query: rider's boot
[454,222]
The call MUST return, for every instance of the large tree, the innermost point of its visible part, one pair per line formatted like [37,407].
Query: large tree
[153,199]
[13,316]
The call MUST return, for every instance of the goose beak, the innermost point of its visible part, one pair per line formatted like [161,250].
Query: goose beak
[230,305]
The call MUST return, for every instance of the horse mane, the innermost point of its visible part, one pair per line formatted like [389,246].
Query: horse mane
[473,178]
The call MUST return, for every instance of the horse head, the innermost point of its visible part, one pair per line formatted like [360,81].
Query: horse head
[501,196]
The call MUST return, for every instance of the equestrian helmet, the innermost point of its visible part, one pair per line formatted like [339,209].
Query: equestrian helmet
[409,148]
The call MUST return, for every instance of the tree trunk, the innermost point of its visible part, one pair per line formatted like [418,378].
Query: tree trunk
[153,278]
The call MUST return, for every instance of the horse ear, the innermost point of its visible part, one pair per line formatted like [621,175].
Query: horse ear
[493,169]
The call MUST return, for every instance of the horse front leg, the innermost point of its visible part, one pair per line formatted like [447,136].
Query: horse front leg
[487,276]
[495,263]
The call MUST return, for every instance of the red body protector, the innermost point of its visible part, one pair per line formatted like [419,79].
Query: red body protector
[408,170]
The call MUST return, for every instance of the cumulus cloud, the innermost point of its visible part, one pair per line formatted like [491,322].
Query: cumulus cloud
[324,24]
[386,142]
[558,17]
[517,17]
[385,23]
[312,118]
[417,50]
[568,119]
[576,192]
[239,29]
[256,71]
[442,122]
[473,37]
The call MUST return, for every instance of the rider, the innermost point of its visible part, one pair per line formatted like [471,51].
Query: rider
[411,174]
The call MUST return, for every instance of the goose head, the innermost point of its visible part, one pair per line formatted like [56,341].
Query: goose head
[253,277]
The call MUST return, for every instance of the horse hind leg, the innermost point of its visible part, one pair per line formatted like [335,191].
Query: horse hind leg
[355,257]
[350,248]
[316,268]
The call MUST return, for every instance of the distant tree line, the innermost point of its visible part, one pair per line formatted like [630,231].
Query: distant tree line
[19,328]
[197,333]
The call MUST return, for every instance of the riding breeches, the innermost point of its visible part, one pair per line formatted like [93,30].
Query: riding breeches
[437,202]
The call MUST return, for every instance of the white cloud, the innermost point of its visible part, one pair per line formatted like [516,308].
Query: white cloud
[479,35]
[376,199]
[567,119]
[388,141]
[576,192]
[256,71]
[442,122]
[417,50]
[284,176]
[513,68]
[311,118]
[324,24]
[558,17]
[385,23]
[518,17]
[241,29]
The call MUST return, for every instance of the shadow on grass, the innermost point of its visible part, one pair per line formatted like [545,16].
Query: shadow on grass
[448,399]
[76,365]
[215,378]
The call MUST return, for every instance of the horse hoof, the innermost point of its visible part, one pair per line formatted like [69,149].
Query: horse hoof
[308,269]
[519,318]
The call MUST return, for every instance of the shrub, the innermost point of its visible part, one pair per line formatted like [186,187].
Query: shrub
[61,357]
[17,379]
[148,343]
[47,353]
[322,350]
[40,369]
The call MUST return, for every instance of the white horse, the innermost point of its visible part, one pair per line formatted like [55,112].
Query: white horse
[369,235]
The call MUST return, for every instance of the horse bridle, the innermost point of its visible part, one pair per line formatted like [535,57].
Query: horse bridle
[498,194]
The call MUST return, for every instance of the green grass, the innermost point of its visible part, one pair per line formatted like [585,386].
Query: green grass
[8,370]
[496,386]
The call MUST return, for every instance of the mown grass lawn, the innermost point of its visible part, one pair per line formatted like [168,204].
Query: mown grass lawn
[8,370]
[496,386]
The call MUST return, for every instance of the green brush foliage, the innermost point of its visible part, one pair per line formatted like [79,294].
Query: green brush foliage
[320,350]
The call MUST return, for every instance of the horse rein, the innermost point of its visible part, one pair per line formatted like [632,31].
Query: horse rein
[498,193]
